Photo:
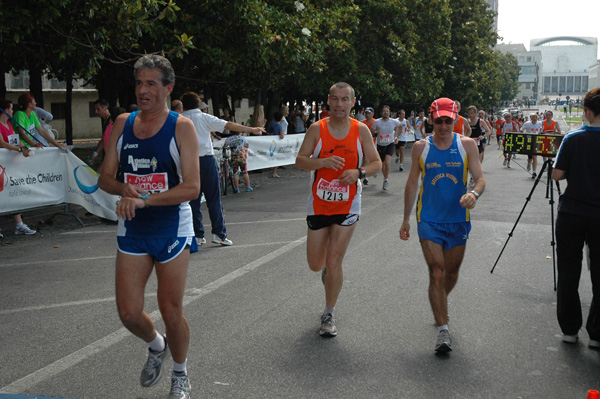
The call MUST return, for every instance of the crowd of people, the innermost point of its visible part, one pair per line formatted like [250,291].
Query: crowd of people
[160,222]
[22,130]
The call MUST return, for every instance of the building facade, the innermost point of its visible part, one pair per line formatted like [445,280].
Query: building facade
[530,65]
[567,61]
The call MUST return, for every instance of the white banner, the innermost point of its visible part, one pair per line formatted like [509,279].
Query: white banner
[50,177]
[268,151]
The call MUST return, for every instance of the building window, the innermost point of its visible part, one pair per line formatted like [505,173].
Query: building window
[584,84]
[58,110]
[562,84]
[577,84]
[527,86]
[569,84]
[528,59]
[555,84]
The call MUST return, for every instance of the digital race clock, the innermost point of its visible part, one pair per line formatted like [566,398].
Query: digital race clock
[532,144]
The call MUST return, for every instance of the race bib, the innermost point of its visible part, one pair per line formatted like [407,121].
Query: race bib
[153,183]
[13,139]
[334,191]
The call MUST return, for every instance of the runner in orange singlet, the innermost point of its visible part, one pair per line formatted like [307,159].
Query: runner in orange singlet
[551,127]
[460,126]
[332,150]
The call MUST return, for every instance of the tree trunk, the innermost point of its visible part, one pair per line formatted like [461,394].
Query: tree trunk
[3,80]
[35,84]
[68,112]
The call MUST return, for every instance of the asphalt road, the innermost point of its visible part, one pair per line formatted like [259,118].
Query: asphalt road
[254,307]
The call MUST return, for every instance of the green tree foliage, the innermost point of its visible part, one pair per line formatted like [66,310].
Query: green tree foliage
[509,71]
[392,51]
[471,72]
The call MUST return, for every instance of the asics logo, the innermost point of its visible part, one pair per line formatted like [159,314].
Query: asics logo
[130,146]
[175,244]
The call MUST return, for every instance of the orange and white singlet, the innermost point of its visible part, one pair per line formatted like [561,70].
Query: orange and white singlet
[329,196]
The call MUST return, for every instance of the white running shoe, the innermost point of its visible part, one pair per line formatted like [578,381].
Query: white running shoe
[444,342]
[180,386]
[386,184]
[153,368]
[570,339]
[223,241]
[24,229]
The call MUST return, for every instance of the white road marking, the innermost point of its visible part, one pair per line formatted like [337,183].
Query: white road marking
[102,344]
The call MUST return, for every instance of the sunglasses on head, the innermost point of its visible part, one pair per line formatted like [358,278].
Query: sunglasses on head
[446,120]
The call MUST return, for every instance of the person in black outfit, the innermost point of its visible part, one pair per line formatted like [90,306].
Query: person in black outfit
[578,222]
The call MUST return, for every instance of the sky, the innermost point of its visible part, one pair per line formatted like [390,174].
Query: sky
[519,21]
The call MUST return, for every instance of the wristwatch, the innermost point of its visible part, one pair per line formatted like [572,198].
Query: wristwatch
[362,173]
[146,200]
[475,193]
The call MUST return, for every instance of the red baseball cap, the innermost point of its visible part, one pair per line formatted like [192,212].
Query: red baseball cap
[443,107]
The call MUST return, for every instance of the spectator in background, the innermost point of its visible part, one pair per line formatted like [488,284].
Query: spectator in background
[209,172]
[204,107]
[285,111]
[227,116]
[258,117]
[114,112]
[324,111]
[132,108]
[177,106]
[360,114]
[274,127]
[239,153]
[301,118]
[29,120]
[6,130]
[101,110]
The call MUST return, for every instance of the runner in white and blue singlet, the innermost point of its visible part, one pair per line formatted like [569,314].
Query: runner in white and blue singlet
[154,165]
[155,154]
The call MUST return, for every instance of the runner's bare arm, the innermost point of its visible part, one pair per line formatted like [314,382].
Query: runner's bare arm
[469,200]
[410,190]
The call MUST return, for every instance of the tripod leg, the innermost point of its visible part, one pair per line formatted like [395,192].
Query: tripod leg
[537,180]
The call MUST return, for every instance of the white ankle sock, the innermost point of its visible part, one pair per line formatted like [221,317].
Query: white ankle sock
[180,367]
[444,327]
[158,344]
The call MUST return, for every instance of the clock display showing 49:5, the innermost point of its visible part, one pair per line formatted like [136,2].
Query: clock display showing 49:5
[532,144]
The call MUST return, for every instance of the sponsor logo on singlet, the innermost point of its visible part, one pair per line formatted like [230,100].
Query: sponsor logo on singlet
[153,183]
[142,163]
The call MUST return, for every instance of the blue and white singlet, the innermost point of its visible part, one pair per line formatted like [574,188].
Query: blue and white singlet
[153,164]
[443,182]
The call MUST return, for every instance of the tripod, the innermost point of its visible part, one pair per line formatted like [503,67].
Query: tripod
[550,193]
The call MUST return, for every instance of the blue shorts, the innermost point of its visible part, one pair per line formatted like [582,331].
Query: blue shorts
[162,250]
[448,235]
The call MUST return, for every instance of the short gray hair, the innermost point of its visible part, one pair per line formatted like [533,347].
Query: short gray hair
[343,85]
[154,61]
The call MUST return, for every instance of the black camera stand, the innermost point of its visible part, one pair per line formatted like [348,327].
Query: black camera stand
[550,194]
